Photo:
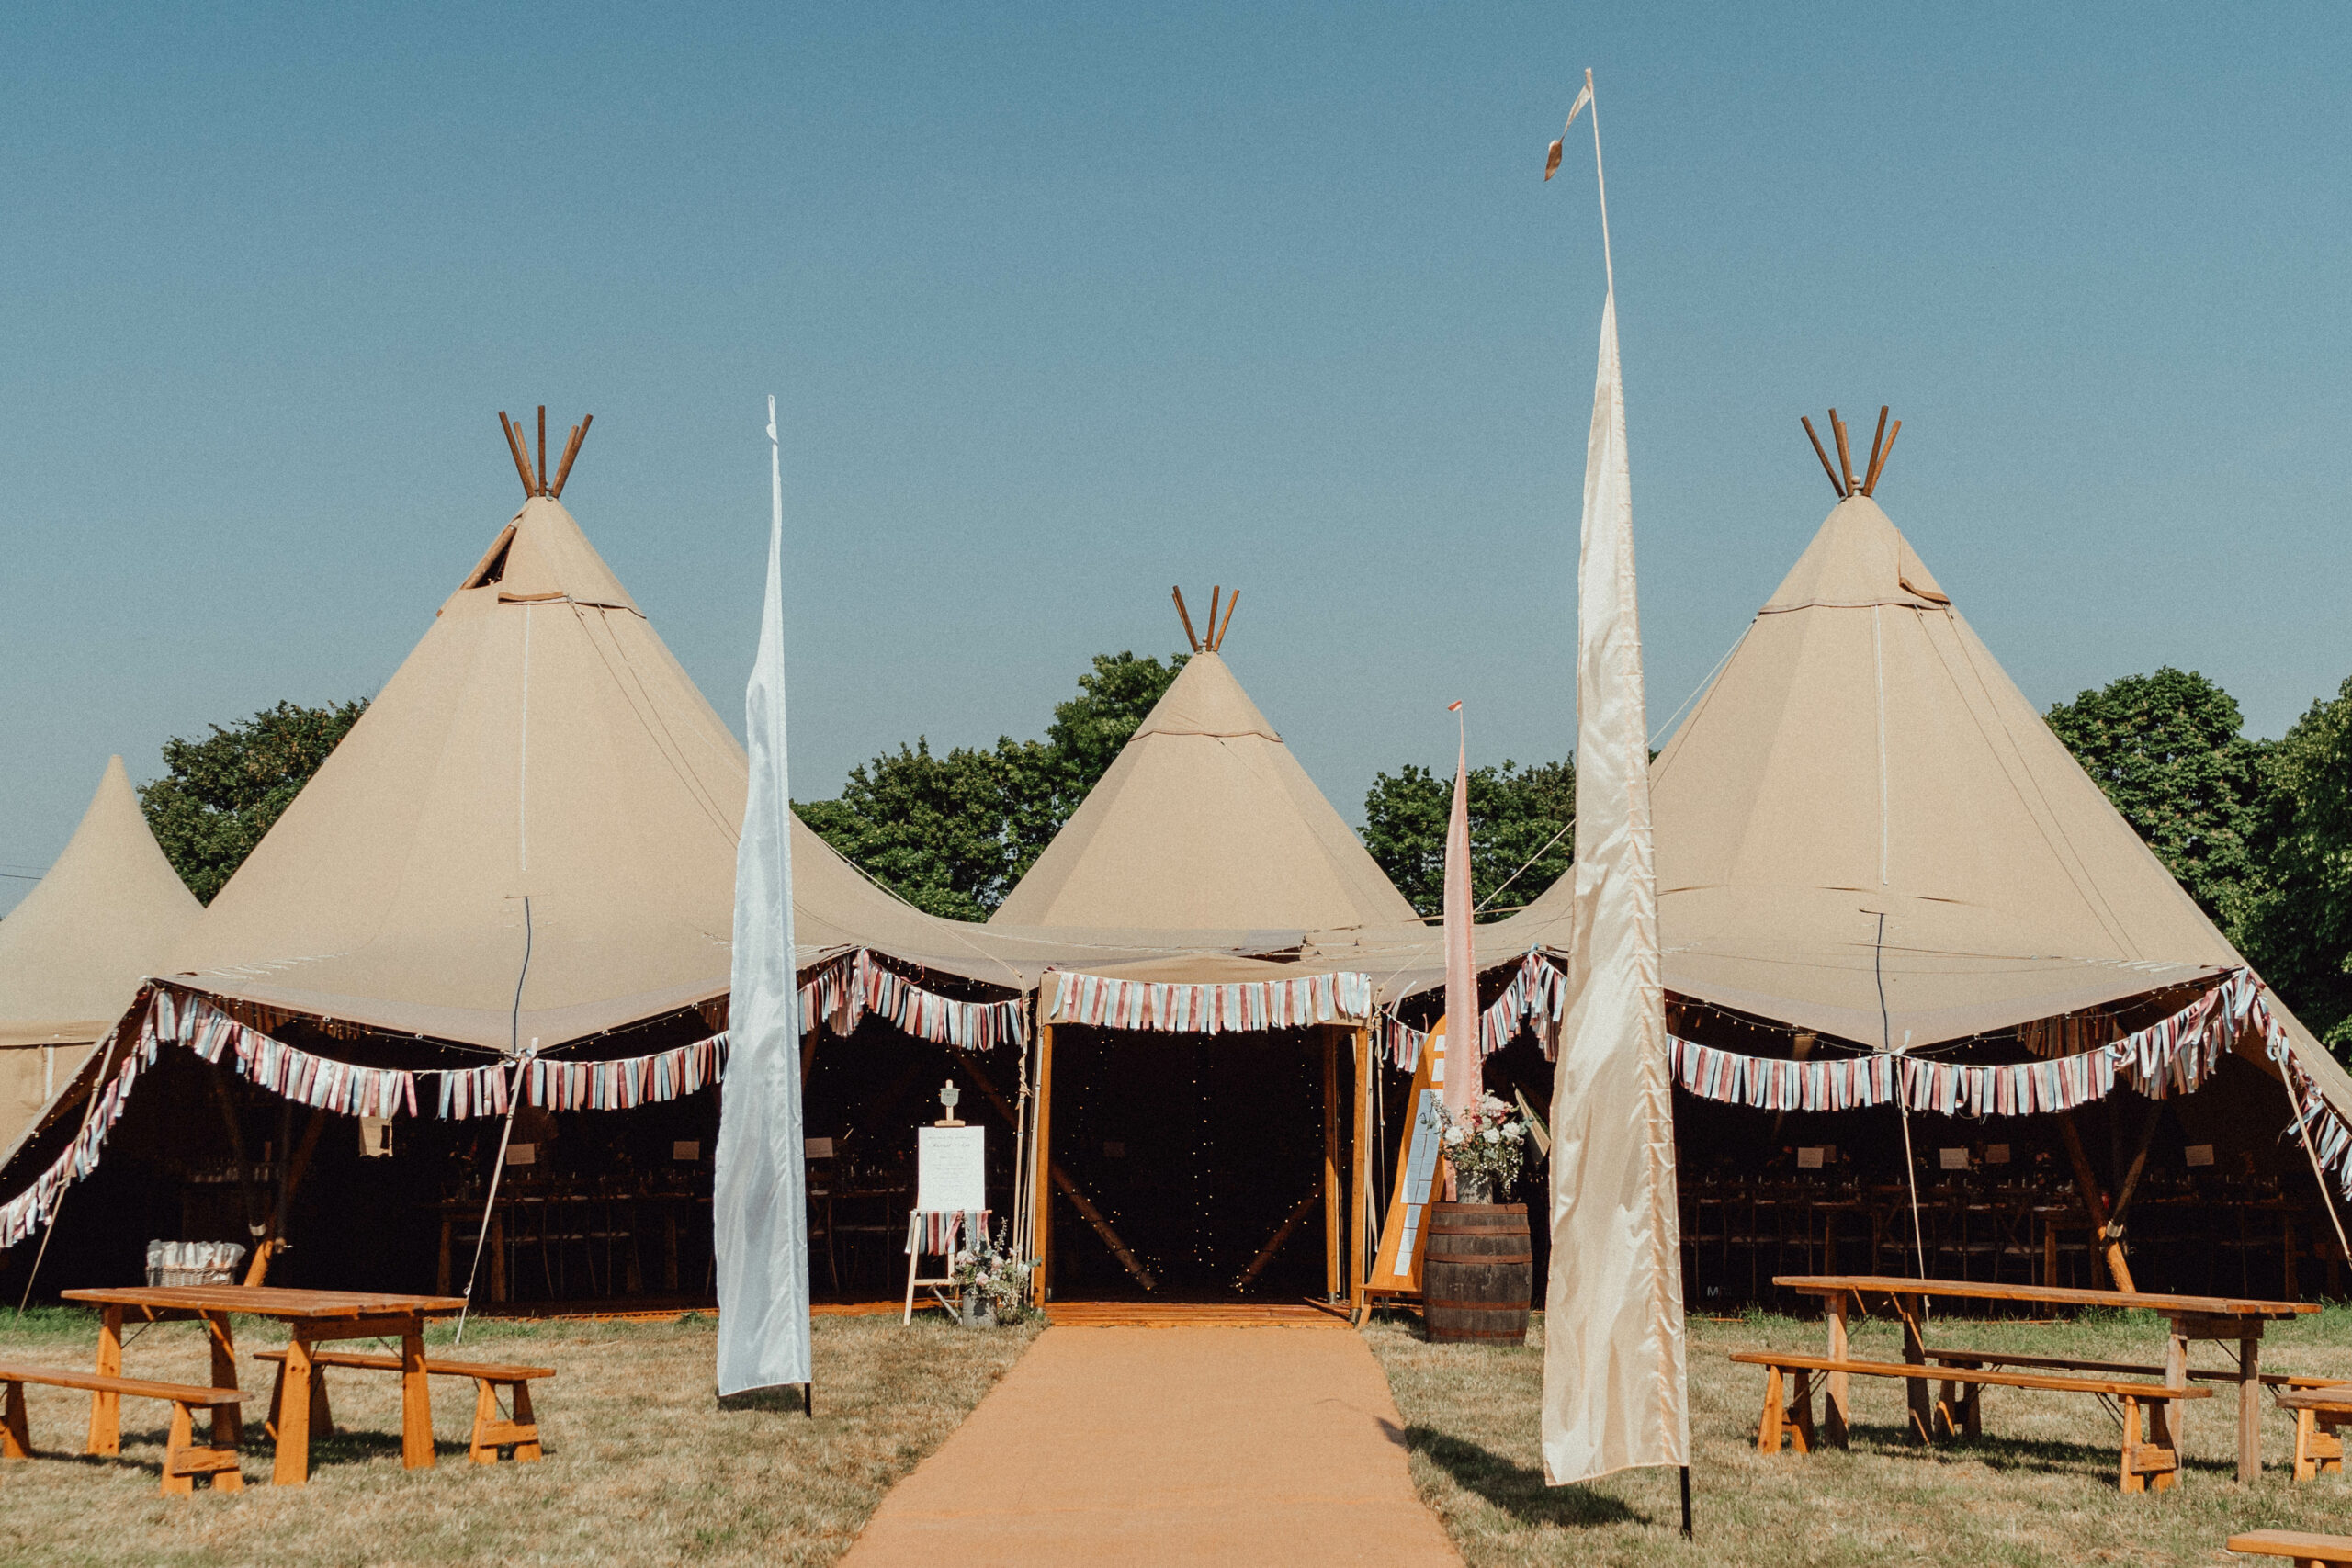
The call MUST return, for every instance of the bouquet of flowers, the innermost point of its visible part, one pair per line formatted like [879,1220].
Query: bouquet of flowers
[991,1278]
[1487,1146]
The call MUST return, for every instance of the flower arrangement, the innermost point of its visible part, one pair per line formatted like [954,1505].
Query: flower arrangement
[1487,1148]
[992,1280]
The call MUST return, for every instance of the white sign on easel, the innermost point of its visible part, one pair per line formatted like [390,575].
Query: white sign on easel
[951,1169]
[951,1194]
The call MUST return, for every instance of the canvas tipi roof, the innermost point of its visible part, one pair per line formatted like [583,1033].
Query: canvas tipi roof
[72,953]
[541,740]
[1861,752]
[1205,822]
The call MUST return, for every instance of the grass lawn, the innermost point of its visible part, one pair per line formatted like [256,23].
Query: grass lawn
[642,1466]
[2038,1487]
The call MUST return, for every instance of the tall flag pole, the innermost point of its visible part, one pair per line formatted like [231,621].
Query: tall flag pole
[1465,1077]
[760,1201]
[1615,1390]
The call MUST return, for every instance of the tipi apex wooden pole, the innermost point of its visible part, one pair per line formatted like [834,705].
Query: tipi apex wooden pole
[1191,636]
[1217,641]
[515,449]
[1833,481]
[1879,468]
[579,434]
[1870,469]
[1217,593]
[1845,454]
[543,448]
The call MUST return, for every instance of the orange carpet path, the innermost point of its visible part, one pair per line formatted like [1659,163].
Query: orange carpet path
[1168,1445]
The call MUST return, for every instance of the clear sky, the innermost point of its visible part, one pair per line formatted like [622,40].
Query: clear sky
[1066,303]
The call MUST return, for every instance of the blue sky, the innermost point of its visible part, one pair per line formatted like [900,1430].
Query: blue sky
[1063,304]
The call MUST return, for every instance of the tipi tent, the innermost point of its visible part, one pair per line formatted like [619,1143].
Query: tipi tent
[72,953]
[1204,845]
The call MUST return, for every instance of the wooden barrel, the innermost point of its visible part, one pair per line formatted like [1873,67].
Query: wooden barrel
[1479,1273]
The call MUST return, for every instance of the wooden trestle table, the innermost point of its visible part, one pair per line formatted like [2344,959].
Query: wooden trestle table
[312,1316]
[2192,1317]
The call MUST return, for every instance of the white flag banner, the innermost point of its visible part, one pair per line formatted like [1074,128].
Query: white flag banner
[1614,1393]
[760,1207]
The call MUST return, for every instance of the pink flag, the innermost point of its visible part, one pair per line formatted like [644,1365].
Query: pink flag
[1464,1077]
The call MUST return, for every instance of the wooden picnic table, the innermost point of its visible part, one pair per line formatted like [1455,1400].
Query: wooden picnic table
[2192,1317]
[312,1316]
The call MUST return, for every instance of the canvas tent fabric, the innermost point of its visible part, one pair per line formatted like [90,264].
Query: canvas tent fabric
[541,741]
[1203,824]
[1862,751]
[72,952]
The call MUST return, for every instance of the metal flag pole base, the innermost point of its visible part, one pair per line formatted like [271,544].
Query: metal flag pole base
[1686,1502]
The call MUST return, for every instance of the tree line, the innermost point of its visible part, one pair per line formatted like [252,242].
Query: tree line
[2259,832]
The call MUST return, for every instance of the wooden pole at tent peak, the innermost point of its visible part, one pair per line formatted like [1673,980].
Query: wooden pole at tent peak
[1845,453]
[1809,436]
[1216,592]
[579,434]
[515,449]
[1218,642]
[1191,636]
[1880,466]
[543,449]
[1878,439]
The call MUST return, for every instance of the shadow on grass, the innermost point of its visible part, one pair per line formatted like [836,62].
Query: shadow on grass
[786,1398]
[2020,1454]
[1514,1488]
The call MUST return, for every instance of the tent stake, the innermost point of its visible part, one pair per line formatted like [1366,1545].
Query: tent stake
[1686,1502]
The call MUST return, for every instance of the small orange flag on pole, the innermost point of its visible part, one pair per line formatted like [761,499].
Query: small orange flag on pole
[1552,159]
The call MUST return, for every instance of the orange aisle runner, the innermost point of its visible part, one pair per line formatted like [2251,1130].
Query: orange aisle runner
[1177,1445]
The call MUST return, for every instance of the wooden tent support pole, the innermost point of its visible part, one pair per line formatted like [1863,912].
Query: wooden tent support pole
[1888,452]
[1230,605]
[1266,1254]
[1837,428]
[2119,1272]
[1360,1179]
[1060,1179]
[1835,482]
[543,449]
[1041,1198]
[2139,1164]
[1185,615]
[1333,1208]
[579,434]
[1093,1216]
[272,1239]
[1878,439]
[515,449]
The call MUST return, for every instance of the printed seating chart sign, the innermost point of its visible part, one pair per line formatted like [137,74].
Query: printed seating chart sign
[951,1169]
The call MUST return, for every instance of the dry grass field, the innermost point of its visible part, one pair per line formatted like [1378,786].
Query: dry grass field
[642,1467]
[2038,1488]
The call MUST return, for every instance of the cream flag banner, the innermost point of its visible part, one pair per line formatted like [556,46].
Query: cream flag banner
[759,1203]
[1614,1393]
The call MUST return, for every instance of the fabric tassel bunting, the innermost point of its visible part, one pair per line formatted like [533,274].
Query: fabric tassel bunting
[1535,998]
[1102,1002]
[844,990]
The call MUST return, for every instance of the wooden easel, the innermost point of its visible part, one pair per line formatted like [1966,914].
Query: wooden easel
[959,1219]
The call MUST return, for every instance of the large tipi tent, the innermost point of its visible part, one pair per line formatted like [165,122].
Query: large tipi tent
[72,953]
[1207,848]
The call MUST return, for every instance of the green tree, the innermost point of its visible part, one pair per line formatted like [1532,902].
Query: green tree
[953,834]
[2301,934]
[221,793]
[2168,750]
[1520,819]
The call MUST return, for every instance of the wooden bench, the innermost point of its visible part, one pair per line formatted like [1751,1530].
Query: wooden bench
[2307,1549]
[2144,1464]
[489,1434]
[2319,1412]
[182,1460]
